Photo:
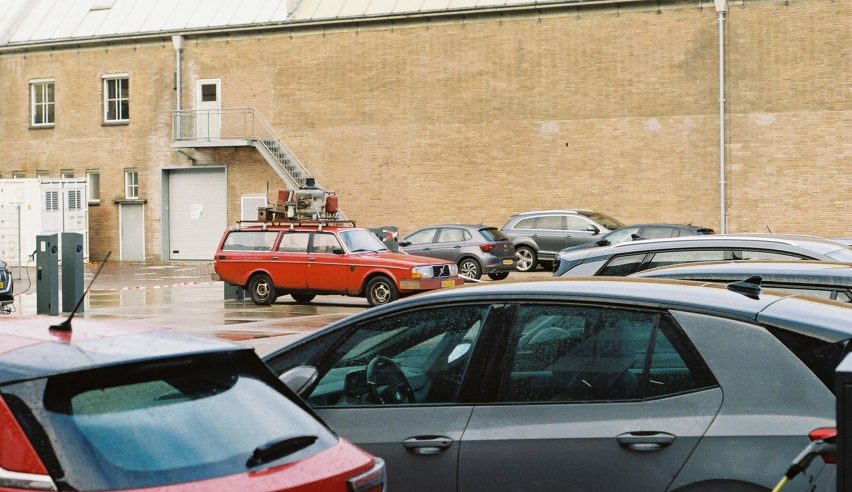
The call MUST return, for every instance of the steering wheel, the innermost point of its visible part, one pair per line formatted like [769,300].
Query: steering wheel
[387,382]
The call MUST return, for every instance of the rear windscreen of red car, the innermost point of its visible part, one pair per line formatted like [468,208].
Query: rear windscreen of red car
[493,234]
[156,426]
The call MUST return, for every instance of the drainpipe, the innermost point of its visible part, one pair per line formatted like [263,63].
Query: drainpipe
[722,9]
[177,42]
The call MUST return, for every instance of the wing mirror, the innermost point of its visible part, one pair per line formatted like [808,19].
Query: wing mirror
[337,251]
[593,229]
[300,378]
[405,243]
[603,242]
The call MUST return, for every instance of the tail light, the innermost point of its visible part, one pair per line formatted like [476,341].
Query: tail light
[825,433]
[370,481]
[486,247]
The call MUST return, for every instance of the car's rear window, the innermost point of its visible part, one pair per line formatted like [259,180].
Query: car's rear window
[604,220]
[152,426]
[493,234]
[821,357]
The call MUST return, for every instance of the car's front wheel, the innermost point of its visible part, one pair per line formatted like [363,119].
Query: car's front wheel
[526,259]
[470,268]
[262,290]
[301,297]
[498,275]
[381,290]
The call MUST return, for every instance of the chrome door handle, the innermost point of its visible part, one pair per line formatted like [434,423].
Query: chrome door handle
[312,259]
[457,246]
[274,257]
[426,445]
[534,236]
[644,441]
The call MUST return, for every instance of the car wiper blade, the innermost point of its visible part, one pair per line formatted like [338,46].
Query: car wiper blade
[279,448]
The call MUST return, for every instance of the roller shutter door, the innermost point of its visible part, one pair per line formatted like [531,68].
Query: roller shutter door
[197,212]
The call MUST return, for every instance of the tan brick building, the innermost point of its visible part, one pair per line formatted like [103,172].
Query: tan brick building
[464,114]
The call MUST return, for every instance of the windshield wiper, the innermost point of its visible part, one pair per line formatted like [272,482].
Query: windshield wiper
[279,448]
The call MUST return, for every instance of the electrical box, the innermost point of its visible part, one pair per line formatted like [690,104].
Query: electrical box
[72,270]
[843,392]
[47,274]
[234,292]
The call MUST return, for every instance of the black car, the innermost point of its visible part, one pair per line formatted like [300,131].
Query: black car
[635,256]
[825,279]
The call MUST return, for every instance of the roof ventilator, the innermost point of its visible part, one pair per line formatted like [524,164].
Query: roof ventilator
[749,287]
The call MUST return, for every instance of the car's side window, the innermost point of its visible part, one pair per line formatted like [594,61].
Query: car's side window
[583,353]
[551,222]
[576,223]
[528,223]
[250,241]
[421,237]
[764,255]
[410,358]
[324,242]
[621,266]
[844,296]
[294,242]
[451,234]
[665,258]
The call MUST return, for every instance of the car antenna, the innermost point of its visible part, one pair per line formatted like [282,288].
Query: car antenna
[768,229]
[66,325]
[481,222]
[749,287]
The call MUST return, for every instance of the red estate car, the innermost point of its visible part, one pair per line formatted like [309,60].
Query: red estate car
[304,260]
[116,409]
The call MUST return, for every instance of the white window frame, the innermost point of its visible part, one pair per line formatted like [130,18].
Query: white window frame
[116,78]
[66,174]
[46,104]
[93,192]
[19,175]
[131,184]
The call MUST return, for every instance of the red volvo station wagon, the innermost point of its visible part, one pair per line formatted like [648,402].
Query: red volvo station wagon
[306,259]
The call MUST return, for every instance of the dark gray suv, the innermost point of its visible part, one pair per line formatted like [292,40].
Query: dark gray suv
[476,249]
[630,257]
[538,236]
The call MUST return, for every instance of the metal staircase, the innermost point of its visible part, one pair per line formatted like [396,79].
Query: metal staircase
[235,128]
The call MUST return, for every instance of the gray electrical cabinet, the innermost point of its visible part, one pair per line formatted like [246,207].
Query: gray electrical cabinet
[47,274]
[234,292]
[72,271]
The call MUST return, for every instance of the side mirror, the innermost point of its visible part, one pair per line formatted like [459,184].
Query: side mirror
[405,243]
[603,242]
[593,229]
[299,378]
[636,237]
[337,251]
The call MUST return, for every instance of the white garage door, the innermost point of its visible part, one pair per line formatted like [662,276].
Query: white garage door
[197,212]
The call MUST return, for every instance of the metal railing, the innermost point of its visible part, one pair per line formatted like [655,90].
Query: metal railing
[246,124]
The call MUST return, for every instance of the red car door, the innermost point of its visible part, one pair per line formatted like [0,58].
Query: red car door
[288,263]
[327,265]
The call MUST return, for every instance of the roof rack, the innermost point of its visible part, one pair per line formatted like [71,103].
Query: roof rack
[298,222]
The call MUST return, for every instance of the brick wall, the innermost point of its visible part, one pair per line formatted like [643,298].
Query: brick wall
[474,119]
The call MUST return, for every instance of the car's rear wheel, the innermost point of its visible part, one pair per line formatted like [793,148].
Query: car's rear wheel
[381,290]
[302,297]
[498,275]
[262,290]
[470,268]
[526,259]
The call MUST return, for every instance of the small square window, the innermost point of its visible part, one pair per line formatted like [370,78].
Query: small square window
[42,173]
[131,184]
[19,175]
[208,92]
[116,99]
[66,173]
[42,103]
[93,185]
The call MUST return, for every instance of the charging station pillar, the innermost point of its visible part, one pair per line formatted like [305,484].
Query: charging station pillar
[47,274]
[72,271]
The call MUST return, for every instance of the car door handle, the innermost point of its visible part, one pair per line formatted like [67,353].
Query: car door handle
[568,236]
[274,257]
[425,445]
[645,440]
[457,246]
[427,249]
[311,258]
[534,235]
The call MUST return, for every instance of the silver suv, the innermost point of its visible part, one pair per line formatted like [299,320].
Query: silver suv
[538,236]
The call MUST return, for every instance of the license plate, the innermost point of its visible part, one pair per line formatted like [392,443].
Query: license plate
[448,283]
[508,261]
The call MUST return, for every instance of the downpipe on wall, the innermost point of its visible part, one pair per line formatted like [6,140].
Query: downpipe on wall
[722,9]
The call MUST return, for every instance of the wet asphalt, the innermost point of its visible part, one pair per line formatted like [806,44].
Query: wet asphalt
[181,296]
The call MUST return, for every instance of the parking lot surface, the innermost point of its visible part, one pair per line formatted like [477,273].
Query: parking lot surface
[180,296]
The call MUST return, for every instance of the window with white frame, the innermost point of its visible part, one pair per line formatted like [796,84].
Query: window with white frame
[42,98]
[19,175]
[51,201]
[93,185]
[116,98]
[131,184]
[42,173]
[75,199]
[66,173]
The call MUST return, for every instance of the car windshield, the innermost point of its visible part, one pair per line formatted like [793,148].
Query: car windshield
[620,235]
[361,240]
[605,220]
[844,254]
[493,234]
[182,421]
